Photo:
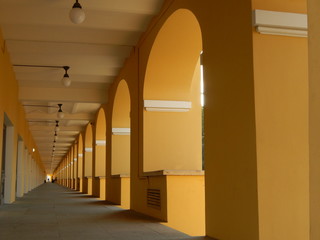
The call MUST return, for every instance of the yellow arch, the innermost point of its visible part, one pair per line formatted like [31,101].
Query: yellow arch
[120,158]
[173,58]
[172,140]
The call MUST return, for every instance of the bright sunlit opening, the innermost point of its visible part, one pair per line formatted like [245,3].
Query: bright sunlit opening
[201,86]
[49,178]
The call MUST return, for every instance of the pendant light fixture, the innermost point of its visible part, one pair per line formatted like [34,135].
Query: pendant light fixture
[76,14]
[55,137]
[66,81]
[60,113]
[57,128]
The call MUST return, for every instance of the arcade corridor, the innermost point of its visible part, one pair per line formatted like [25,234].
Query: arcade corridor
[111,109]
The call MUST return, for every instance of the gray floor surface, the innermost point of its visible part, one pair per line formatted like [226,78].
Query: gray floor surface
[55,212]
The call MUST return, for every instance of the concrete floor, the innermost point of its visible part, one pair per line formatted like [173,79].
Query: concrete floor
[54,212]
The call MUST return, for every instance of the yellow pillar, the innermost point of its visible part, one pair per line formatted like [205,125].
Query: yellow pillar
[314,116]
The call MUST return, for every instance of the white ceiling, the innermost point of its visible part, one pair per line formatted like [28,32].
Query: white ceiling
[39,32]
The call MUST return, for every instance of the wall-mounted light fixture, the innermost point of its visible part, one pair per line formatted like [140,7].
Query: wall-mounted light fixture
[77,14]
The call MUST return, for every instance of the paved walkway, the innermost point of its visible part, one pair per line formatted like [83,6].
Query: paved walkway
[52,212]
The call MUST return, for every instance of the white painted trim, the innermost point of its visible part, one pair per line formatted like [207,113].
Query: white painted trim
[280,23]
[88,149]
[121,131]
[167,106]
[100,142]
[282,32]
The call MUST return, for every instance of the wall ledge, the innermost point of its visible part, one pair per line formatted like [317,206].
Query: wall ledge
[167,106]
[121,131]
[173,173]
[280,23]
[123,175]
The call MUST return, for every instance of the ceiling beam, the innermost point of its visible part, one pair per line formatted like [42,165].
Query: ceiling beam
[42,128]
[60,16]
[63,95]
[147,7]
[75,49]
[67,116]
[70,34]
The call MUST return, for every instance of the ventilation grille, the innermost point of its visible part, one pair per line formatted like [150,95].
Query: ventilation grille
[154,198]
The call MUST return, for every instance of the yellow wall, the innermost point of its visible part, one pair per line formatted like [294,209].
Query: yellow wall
[100,150]
[88,168]
[80,158]
[10,105]
[173,140]
[114,190]
[183,192]
[100,166]
[121,106]
[281,100]
[89,186]
[281,86]
[120,154]
[102,188]
[125,192]
[295,6]
[121,119]
[314,116]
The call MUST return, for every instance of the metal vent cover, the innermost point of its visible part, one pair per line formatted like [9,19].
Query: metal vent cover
[154,198]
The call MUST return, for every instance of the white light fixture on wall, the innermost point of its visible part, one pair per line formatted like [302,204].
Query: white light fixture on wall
[77,14]
[66,81]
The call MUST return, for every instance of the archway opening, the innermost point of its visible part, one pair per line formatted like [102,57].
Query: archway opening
[88,163]
[81,176]
[172,124]
[120,145]
[100,152]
